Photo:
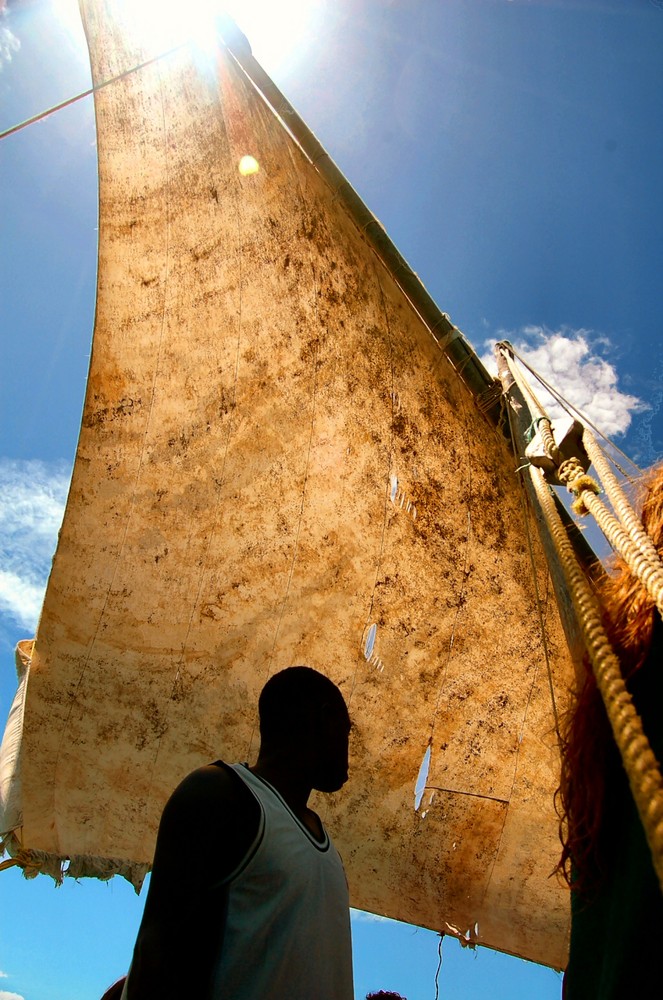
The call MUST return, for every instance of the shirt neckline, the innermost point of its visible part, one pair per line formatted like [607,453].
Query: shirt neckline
[321,845]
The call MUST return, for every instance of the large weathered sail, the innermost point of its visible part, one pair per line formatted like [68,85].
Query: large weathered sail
[278,464]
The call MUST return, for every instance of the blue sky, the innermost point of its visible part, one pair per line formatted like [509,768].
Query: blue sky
[513,150]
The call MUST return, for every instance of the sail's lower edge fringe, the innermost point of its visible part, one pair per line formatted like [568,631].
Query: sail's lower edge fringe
[35,863]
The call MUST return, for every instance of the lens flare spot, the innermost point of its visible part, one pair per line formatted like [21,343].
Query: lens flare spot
[248,165]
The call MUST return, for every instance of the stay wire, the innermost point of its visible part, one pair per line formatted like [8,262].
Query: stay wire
[439,966]
[86,93]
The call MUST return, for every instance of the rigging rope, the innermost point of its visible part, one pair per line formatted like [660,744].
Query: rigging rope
[636,548]
[618,498]
[628,538]
[646,567]
[439,966]
[86,93]
[539,602]
[540,419]
[641,765]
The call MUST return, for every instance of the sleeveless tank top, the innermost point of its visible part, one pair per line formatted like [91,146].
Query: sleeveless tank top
[288,923]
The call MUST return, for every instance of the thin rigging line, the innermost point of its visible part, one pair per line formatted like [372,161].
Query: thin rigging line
[307,468]
[534,679]
[306,212]
[474,795]
[539,603]
[439,966]
[385,518]
[74,701]
[464,580]
[86,93]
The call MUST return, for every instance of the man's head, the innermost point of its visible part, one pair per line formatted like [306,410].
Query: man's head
[384,995]
[301,710]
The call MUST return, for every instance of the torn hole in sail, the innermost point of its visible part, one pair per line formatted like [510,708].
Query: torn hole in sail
[422,778]
[369,642]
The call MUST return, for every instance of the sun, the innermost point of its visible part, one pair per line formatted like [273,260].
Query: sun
[276,29]
[161,25]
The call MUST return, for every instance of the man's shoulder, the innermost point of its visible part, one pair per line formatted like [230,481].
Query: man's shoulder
[212,785]
[216,775]
[213,807]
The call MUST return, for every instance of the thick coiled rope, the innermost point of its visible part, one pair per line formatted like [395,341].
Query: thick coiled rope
[644,565]
[637,550]
[640,764]
[618,498]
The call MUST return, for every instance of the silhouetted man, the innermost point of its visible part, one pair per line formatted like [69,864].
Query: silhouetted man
[248,898]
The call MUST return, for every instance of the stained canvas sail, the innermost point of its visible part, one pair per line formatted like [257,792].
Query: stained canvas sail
[279,464]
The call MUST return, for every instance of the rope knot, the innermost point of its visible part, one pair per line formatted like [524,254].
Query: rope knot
[574,477]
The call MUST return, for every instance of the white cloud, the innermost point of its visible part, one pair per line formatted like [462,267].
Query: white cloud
[6,995]
[363,916]
[573,362]
[32,499]
[9,43]
[4,975]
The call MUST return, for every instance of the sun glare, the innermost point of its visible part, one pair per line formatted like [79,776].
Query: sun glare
[165,24]
[69,18]
[279,31]
[248,165]
[276,29]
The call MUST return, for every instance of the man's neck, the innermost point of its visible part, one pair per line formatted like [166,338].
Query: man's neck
[286,778]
